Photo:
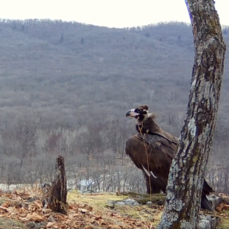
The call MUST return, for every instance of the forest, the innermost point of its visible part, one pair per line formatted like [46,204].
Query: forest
[65,88]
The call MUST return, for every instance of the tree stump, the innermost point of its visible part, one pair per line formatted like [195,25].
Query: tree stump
[58,191]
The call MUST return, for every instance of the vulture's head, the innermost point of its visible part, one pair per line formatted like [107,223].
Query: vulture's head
[139,113]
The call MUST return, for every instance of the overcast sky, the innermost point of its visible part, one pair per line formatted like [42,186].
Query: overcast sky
[110,13]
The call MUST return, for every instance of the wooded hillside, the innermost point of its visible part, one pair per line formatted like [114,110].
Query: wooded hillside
[65,88]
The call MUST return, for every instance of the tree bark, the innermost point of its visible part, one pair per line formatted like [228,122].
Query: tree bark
[187,171]
[58,191]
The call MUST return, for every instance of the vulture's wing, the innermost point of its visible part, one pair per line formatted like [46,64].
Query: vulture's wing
[153,152]
[160,143]
[151,128]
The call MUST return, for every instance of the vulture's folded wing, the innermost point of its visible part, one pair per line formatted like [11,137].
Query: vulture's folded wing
[164,145]
[155,153]
[152,152]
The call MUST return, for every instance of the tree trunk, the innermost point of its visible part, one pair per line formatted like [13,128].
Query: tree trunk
[58,190]
[187,171]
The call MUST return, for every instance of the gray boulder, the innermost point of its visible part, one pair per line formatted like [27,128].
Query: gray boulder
[129,202]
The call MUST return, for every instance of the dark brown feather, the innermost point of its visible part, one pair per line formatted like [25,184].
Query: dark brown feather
[152,154]
[155,149]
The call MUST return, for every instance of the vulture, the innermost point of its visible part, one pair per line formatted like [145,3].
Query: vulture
[152,150]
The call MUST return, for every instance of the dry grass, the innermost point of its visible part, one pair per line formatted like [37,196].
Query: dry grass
[224,224]
[99,202]
[90,211]
[85,211]
[224,215]
[10,224]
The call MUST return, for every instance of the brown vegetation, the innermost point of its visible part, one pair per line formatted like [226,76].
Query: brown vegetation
[23,209]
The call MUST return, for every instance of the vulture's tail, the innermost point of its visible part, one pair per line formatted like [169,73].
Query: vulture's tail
[205,204]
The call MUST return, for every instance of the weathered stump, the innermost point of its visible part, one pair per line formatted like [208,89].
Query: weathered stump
[58,191]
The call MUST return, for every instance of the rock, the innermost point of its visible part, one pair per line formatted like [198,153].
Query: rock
[120,203]
[110,204]
[131,202]
[156,198]
[208,222]
[149,203]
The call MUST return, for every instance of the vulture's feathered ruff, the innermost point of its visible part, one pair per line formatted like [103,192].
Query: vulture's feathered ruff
[152,151]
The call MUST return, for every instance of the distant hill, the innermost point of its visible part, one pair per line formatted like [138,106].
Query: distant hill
[61,72]
[65,89]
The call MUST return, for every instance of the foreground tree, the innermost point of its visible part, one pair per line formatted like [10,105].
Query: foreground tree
[187,171]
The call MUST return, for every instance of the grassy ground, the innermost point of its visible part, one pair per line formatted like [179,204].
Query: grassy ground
[100,203]
[10,224]
[224,220]
[90,211]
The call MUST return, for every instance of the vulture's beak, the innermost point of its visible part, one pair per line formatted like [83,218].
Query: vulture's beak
[128,114]
[131,113]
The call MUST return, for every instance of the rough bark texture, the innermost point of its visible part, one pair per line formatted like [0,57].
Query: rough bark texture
[58,190]
[187,170]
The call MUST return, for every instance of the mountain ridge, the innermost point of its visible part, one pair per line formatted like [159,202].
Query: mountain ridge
[64,65]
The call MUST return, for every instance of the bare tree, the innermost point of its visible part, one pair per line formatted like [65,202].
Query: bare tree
[25,134]
[187,170]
